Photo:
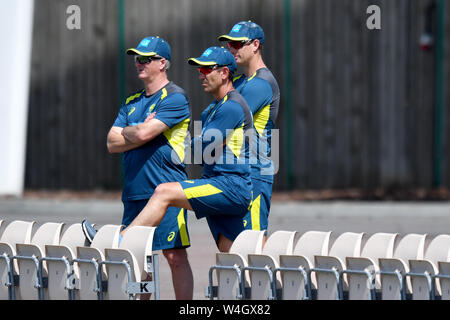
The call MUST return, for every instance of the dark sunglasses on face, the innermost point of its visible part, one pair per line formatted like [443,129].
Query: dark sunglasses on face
[144,59]
[238,44]
[207,70]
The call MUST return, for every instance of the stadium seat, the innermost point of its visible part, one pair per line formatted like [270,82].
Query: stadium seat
[132,269]
[15,232]
[33,271]
[63,274]
[362,272]
[444,279]
[422,272]
[294,269]
[89,260]
[394,285]
[231,279]
[331,284]
[264,283]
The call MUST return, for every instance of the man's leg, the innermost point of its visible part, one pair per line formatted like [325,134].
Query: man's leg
[223,243]
[182,278]
[166,195]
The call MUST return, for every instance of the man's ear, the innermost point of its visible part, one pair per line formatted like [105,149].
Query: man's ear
[256,44]
[162,66]
[226,73]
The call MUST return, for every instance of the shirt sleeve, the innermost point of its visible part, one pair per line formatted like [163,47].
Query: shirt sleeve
[224,120]
[173,109]
[121,120]
[258,93]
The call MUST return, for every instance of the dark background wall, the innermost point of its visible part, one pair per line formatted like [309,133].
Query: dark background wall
[357,106]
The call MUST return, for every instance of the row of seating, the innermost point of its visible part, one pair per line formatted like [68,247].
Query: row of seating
[53,262]
[355,266]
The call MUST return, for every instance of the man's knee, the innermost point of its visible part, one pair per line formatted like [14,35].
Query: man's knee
[176,257]
[162,191]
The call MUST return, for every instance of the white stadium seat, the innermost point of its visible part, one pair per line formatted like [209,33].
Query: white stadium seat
[89,259]
[362,272]
[33,271]
[15,232]
[393,270]
[63,274]
[294,269]
[422,272]
[231,278]
[264,282]
[331,284]
[132,269]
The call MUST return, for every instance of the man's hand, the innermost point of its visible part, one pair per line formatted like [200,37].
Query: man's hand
[150,117]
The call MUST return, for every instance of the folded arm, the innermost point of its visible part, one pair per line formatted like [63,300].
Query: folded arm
[124,139]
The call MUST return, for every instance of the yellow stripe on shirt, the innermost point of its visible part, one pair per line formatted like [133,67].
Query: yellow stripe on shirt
[261,118]
[176,137]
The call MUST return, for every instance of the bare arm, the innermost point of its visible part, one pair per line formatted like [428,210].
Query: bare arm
[144,132]
[117,143]
[123,139]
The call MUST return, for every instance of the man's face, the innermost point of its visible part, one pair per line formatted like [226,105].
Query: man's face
[147,67]
[211,78]
[242,51]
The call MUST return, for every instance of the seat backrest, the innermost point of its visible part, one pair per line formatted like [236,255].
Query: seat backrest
[48,233]
[106,237]
[139,240]
[410,247]
[248,241]
[379,245]
[347,244]
[280,242]
[439,249]
[73,237]
[17,232]
[312,243]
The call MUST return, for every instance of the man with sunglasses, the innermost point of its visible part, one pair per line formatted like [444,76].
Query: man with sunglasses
[150,130]
[223,193]
[260,89]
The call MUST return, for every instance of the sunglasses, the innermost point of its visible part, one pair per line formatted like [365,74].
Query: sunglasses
[238,44]
[144,59]
[207,70]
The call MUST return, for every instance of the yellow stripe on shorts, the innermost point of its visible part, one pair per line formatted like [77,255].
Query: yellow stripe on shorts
[182,228]
[201,191]
[255,213]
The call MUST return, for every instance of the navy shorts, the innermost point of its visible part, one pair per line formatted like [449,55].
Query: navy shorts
[171,233]
[223,200]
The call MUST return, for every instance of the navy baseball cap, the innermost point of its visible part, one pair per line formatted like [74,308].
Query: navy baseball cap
[244,30]
[215,56]
[152,46]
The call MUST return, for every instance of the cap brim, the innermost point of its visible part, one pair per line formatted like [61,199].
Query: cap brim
[196,62]
[141,53]
[226,37]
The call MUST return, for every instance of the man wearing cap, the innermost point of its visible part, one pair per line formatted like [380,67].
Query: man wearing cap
[260,89]
[224,190]
[150,130]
